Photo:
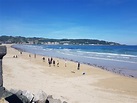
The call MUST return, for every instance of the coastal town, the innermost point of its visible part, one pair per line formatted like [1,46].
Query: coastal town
[38,40]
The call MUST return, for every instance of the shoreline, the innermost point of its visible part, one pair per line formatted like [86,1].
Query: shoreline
[120,71]
[66,83]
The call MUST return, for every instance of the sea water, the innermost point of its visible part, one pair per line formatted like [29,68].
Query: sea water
[119,59]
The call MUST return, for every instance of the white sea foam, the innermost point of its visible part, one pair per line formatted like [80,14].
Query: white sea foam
[92,56]
[100,53]
[78,54]
[100,58]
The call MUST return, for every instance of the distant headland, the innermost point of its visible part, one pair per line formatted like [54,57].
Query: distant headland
[38,40]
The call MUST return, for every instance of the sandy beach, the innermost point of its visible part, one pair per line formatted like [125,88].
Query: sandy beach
[66,83]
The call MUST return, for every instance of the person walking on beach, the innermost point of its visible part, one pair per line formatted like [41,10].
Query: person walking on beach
[57,63]
[20,52]
[43,59]
[53,62]
[78,66]
[34,55]
[49,62]
[65,63]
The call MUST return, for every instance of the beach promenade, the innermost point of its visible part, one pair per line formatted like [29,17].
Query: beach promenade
[30,72]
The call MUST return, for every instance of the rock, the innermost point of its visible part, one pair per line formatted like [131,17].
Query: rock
[2,90]
[64,102]
[20,96]
[28,94]
[50,100]
[23,99]
[40,97]
[14,91]
[49,96]
[19,92]
[14,99]
[4,93]
[15,96]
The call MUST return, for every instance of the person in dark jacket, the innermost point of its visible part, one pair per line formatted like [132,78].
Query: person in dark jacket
[78,66]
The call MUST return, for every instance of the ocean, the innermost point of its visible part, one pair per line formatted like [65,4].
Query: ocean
[118,59]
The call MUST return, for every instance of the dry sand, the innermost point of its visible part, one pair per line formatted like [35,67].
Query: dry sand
[66,83]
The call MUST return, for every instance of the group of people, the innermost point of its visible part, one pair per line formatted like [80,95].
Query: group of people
[51,61]
[15,56]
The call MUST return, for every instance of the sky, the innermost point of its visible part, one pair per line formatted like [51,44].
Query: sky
[110,20]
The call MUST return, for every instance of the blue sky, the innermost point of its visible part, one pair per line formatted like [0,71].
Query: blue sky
[110,20]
